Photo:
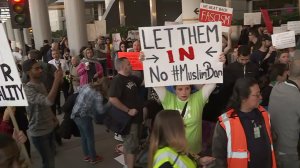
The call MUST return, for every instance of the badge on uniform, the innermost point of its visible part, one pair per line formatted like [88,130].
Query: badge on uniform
[256,131]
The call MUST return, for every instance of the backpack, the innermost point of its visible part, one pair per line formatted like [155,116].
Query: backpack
[117,121]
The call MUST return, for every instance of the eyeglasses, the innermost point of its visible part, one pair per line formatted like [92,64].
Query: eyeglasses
[257,95]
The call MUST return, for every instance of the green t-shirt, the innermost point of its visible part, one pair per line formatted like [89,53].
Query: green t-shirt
[192,118]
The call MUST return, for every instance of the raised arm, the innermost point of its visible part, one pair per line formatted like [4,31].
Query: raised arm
[207,90]
[161,92]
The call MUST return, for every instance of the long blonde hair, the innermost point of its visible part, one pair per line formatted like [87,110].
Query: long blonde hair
[102,85]
[168,130]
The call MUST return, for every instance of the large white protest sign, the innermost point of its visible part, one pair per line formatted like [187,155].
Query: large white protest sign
[252,18]
[182,54]
[284,40]
[116,40]
[294,26]
[214,13]
[11,88]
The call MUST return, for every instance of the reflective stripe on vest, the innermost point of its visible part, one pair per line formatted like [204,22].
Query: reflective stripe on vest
[230,153]
[237,154]
[170,157]
[167,154]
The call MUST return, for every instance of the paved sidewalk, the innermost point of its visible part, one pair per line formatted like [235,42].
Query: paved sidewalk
[70,153]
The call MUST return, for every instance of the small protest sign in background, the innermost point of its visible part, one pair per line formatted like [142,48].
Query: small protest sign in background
[116,40]
[294,26]
[214,13]
[252,18]
[11,89]
[133,35]
[182,54]
[284,40]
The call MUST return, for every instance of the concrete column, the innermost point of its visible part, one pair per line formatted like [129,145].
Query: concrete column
[250,6]
[26,36]
[5,27]
[19,43]
[76,25]
[299,6]
[106,3]
[40,22]
[10,31]
[228,3]
[122,12]
[100,11]
[153,14]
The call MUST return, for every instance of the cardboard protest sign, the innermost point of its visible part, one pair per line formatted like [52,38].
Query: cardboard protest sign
[91,32]
[116,40]
[133,58]
[214,13]
[280,29]
[11,89]
[294,25]
[190,11]
[267,20]
[284,40]
[100,27]
[182,54]
[252,18]
[133,35]
[168,23]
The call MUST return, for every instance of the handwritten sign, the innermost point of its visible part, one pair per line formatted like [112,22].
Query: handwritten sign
[133,35]
[116,40]
[284,40]
[133,58]
[252,18]
[294,25]
[91,32]
[11,89]
[280,29]
[182,54]
[100,27]
[190,11]
[214,13]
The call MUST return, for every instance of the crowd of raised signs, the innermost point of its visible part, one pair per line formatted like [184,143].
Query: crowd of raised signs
[96,74]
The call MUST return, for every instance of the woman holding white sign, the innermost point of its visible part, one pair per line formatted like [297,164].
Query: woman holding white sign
[194,103]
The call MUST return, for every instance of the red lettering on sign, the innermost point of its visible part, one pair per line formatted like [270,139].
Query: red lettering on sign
[213,16]
[183,53]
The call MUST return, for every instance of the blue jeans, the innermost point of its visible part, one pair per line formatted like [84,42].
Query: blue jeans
[45,145]
[86,129]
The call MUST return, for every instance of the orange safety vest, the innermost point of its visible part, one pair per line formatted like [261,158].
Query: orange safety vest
[237,150]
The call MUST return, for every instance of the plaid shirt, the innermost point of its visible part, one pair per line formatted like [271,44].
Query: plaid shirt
[88,102]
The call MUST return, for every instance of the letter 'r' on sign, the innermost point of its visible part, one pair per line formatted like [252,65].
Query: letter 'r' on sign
[11,88]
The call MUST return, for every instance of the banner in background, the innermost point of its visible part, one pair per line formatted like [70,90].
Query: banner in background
[214,13]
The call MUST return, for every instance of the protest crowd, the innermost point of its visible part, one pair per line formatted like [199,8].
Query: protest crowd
[250,120]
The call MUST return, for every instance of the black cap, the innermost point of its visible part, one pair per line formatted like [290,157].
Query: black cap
[27,65]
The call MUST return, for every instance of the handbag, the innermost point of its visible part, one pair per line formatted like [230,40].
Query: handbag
[117,121]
